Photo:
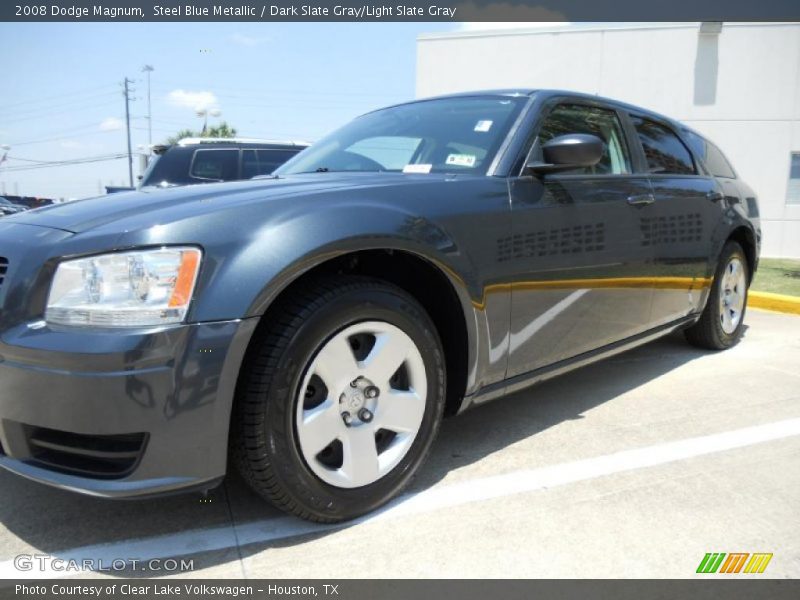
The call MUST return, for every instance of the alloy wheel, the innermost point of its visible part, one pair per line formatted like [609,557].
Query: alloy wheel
[361,404]
[732,295]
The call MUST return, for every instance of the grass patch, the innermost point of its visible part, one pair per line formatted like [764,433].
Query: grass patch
[778,275]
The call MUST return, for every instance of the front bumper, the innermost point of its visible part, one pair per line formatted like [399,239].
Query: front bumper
[119,413]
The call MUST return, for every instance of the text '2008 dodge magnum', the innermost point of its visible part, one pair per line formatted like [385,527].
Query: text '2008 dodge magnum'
[313,328]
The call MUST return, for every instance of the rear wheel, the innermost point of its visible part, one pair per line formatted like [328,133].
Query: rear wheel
[721,324]
[340,399]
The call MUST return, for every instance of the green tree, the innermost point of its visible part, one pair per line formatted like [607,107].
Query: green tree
[223,130]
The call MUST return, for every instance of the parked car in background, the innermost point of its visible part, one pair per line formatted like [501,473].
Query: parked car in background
[313,328]
[209,160]
[10,208]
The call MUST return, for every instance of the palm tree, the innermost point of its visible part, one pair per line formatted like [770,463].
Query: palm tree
[223,130]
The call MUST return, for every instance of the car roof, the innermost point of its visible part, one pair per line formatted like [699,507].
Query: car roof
[547,93]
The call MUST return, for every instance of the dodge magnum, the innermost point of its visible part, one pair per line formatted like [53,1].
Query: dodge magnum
[312,328]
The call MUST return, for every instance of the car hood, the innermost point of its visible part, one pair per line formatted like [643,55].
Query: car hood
[145,208]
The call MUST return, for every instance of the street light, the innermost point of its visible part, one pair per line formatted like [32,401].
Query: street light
[204,113]
[148,69]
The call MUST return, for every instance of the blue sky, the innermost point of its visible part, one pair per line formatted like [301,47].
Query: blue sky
[61,98]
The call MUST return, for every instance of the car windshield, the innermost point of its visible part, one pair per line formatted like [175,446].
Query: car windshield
[460,134]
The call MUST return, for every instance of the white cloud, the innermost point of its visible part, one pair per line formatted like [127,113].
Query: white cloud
[111,124]
[246,40]
[70,144]
[193,100]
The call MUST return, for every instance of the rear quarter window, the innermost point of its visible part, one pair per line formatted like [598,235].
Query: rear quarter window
[269,160]
[717,163]
[712,157]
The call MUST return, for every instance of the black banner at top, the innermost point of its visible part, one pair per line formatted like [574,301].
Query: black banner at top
[398,10]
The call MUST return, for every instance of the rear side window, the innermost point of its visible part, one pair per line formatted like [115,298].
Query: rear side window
[215,165]
[263,162]
[665,152]
[604,123]
[269,160]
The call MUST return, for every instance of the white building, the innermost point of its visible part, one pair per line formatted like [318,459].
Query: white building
[737,83]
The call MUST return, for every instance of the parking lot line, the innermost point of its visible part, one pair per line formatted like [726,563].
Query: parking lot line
[447,496]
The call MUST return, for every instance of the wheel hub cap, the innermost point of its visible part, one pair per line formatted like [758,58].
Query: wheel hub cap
[733,295]
[360,395]
[361,404]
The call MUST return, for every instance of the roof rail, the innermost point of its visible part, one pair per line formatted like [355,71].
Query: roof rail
[208,140]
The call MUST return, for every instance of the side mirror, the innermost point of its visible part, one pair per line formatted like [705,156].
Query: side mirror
[570,151]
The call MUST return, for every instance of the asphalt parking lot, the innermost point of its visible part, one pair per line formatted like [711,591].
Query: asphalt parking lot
[633,467]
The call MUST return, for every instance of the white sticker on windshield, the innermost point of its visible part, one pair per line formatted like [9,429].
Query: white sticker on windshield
[483,126]
[461,160]
[417,168]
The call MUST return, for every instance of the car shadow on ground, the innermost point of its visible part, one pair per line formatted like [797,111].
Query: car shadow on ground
[52,521]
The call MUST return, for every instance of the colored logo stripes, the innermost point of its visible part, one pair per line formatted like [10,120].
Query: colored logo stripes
[735,562]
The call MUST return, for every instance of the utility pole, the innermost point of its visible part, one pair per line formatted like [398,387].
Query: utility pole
[128,127]
[149,69]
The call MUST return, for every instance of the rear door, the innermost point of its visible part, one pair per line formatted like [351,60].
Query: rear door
[678,227]
[580,271]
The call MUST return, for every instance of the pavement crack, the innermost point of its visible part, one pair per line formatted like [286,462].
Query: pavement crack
[235,529]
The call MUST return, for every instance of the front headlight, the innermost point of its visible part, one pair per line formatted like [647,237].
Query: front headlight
[124,289]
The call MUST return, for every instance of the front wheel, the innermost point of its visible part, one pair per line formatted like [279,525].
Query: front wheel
[721,324]
[340,399]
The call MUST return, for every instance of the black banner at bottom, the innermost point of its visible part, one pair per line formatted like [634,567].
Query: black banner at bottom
[394,589]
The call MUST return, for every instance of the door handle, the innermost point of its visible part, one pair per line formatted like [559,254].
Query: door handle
[641,199]
[714,195]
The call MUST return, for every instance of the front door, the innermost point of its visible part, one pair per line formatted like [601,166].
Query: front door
[581,271]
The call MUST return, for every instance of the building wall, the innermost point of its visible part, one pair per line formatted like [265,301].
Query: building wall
[741,88]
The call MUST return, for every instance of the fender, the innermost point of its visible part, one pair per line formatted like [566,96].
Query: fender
[247,283]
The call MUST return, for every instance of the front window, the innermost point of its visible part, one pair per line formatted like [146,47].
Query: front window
[447,135]
[603,123]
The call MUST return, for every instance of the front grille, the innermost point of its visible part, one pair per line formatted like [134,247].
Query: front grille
[3,268]
[95,456]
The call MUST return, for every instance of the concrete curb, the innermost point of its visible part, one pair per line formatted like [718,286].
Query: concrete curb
[776,302]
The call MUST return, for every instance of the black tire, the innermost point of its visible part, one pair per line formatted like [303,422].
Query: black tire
[708,332]
[264,444]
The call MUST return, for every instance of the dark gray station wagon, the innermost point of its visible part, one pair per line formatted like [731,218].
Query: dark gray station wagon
[313,328]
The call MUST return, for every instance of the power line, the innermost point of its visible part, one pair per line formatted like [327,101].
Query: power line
[65,134]
[66,110]
[46,110]
[278,91]
[63,163]
[55,98]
